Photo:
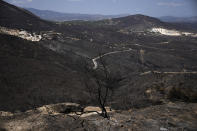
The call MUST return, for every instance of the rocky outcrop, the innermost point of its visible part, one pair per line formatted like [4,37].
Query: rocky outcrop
[60,108]
[167,117]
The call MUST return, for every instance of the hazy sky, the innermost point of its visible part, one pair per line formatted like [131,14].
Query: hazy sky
[147,7]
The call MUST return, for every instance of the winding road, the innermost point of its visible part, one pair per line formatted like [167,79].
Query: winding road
[94,60]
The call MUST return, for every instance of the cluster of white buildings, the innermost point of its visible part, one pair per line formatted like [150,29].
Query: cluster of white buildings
[22,34]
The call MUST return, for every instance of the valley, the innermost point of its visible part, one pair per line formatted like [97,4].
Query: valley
[55,75]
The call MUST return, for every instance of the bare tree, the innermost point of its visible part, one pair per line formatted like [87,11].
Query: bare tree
[104,84]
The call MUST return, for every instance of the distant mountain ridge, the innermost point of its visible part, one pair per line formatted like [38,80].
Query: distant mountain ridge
[138,19]
[58,16]
[173,19]
[19,18]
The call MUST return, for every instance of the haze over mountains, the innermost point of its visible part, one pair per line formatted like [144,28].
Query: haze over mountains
[44,79]
[184,22]
[179,19]
[57,16]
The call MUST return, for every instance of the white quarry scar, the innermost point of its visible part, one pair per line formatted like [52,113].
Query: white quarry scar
[22,34]
[172,32]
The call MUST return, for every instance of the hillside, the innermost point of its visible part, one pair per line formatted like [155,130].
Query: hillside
[32,75]
[150,64]
[16,17]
